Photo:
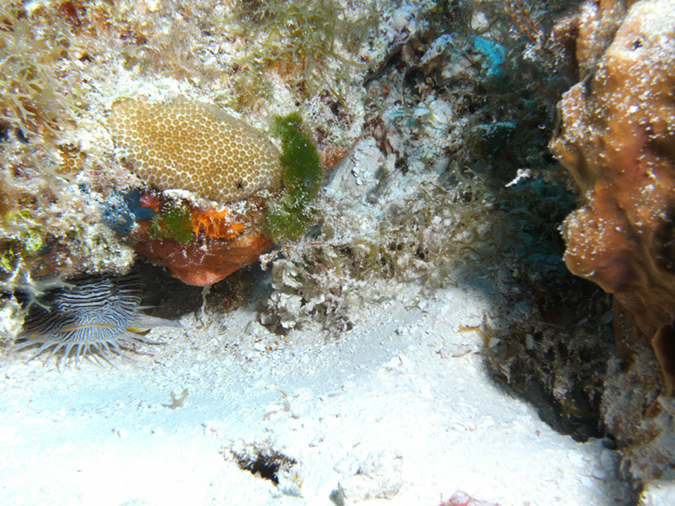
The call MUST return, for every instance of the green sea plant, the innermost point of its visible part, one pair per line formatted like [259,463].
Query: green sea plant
[288,216]
[172,222]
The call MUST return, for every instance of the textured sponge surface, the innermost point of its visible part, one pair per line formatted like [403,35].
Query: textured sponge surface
[194,146]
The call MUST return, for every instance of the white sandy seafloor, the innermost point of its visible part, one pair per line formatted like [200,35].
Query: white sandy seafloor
[400,410]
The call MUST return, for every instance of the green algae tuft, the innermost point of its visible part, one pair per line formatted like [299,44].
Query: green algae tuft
[288,216]
[173,222]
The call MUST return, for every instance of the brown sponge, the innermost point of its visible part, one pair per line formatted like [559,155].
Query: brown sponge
[617,139]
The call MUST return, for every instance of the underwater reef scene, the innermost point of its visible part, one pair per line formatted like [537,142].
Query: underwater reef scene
[309,158]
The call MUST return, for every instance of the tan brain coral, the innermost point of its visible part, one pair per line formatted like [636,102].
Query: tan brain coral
[196,147]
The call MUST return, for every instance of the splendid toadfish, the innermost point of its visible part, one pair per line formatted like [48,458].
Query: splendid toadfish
[93,317]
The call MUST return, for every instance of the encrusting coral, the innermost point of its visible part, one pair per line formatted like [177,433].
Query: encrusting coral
[196,147]
[618,141]
[206,260]
[203,246]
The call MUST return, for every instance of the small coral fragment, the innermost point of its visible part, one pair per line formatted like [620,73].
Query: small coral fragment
[72,160]
[194,146]
[177,402]
[463,499]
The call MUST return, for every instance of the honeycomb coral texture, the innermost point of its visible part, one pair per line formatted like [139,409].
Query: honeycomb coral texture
[196,147]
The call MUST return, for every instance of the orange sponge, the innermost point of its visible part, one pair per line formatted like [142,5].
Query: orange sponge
[617,139]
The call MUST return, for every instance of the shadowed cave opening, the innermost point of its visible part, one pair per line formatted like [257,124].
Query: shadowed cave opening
[263,462]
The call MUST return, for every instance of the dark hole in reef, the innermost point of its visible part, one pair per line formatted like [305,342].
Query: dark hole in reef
[21,135]
[421,254]
[264,462]
[401,165]
[562,340]
[166,296]
[548,158]
[637,43]
[4,133]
